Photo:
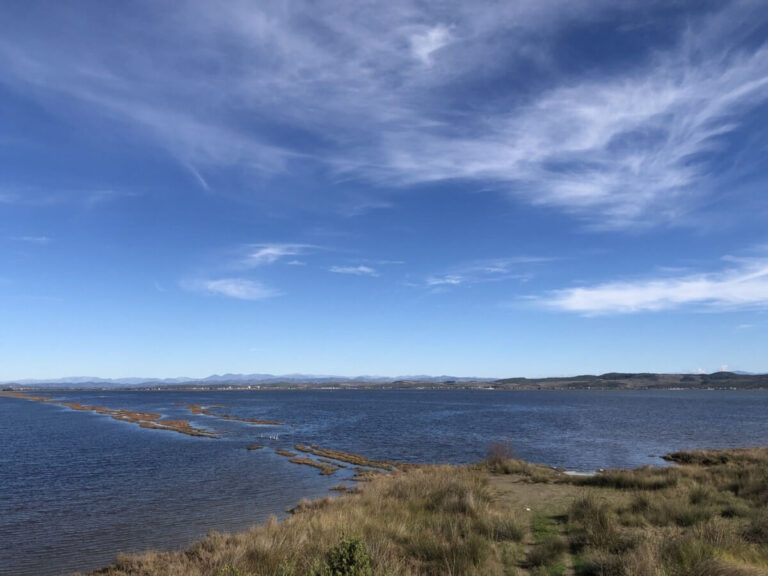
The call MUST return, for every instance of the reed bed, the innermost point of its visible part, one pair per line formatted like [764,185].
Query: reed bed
[196,409]
[143,419]
[325,469]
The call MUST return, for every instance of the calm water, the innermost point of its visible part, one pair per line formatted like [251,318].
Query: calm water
[76,488]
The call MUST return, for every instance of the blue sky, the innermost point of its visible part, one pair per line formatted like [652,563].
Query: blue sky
[490,189]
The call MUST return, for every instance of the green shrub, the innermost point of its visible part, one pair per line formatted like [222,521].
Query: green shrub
[348,558]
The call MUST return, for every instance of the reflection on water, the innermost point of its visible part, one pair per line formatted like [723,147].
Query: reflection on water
[78,487]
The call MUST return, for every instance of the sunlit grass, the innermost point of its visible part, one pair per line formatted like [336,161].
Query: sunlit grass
[707,516]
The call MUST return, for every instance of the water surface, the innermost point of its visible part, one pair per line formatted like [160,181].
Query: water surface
[76,488]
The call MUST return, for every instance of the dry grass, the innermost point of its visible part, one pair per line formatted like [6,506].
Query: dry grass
[424,522]
[501,459]
[707,517]
[704,517]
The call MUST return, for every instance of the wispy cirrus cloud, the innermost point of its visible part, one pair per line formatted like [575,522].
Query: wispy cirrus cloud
[354,270]
[242,261]
[488,270]
[371,92]
[744,285]
[238,288]
[623,150]
[446,280]
[263,254]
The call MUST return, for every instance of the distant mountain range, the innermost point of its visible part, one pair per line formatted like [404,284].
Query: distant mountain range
[234,379]
[608,381]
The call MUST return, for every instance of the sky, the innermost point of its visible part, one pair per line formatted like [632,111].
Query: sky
[492,189]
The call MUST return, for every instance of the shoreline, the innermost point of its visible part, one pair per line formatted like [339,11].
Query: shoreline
[541,477]
[517,518]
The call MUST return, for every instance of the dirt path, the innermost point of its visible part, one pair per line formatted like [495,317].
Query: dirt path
[546,503]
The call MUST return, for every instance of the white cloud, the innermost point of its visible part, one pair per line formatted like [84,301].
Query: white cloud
[198,177]
[447,280]
[488,270]
[744,286]
[354,270]
[424,44]
[618,150]
[238,288]
[619,146]
[262,254]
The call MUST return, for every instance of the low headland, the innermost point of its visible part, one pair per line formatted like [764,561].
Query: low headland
[706,514]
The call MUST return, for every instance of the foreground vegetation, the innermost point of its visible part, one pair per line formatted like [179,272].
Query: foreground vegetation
[708,515]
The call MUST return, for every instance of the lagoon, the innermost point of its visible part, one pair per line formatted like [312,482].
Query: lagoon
[76,488]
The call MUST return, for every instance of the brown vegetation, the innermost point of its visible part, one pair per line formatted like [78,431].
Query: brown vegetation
[24,396]
[708,515]
[325,469]
[143,419]
[195,409]
[704,517]
[432,521]
[332,462]
[351,458]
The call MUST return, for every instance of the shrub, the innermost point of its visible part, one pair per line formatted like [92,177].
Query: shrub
[348,558]
[498,452]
